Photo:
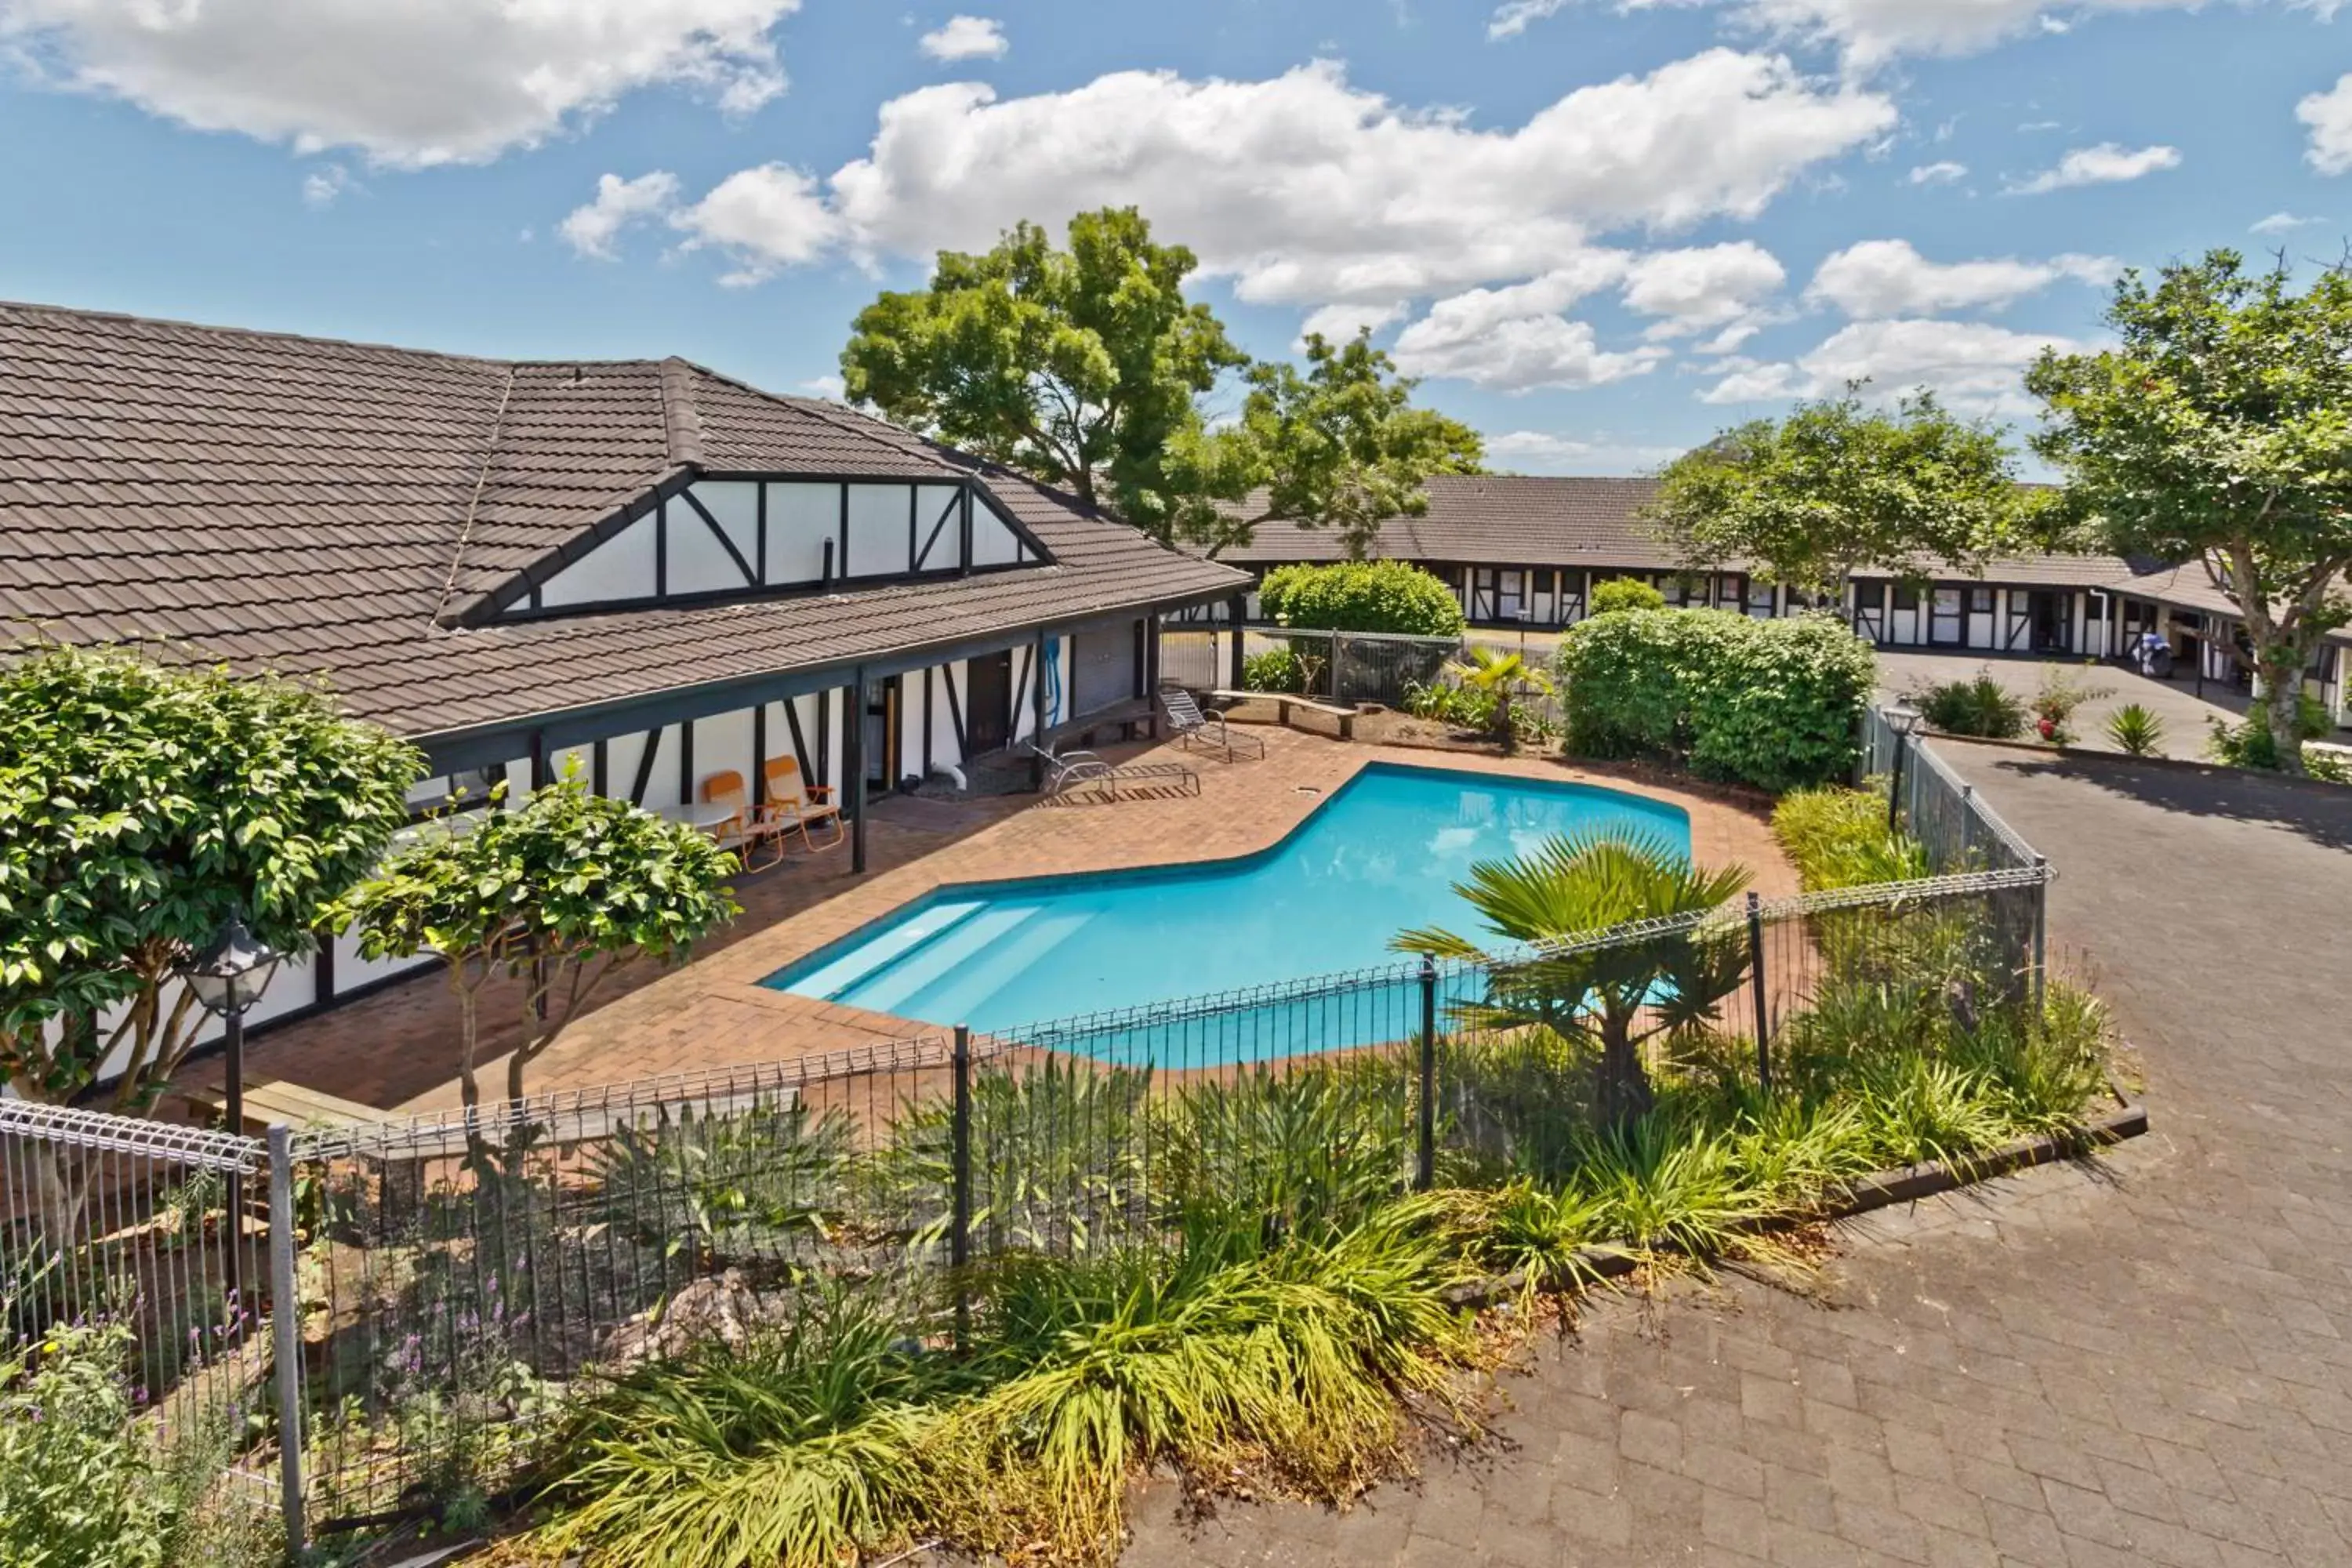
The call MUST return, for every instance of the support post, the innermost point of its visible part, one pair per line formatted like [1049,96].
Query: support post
[1756,972]
[959,1179]
[233,1050]
[1236,612]
[1895,785]
[285,1336]
[1425,1167]
[2040,927]
[852,746]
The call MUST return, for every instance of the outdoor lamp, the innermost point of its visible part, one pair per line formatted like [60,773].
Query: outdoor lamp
[228,977]
[230,974]
[1904,721]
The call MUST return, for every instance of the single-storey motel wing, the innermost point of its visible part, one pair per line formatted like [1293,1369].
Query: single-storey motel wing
[639,569]
[1525,551]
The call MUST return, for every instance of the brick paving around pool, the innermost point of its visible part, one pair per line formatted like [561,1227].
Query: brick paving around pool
[398,1049]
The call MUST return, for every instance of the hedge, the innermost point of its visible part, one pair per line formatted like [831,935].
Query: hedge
[1362,597]
[1771,703]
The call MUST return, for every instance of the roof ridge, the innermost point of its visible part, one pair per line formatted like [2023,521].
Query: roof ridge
[681,421]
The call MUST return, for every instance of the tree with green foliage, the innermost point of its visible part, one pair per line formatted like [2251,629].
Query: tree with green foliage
[1626,594]
[1079,367]
[1340,447]
[1838,485]
[140,807]
[563,892]
[2219,429]
[1611,997]
[1393,597]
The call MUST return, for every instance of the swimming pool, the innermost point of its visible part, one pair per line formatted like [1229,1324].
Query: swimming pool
[1379,857]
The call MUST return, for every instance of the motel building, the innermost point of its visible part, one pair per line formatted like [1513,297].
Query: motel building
[639,569]
[1524,553]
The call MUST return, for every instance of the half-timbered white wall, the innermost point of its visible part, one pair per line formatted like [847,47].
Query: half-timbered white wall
[742,536]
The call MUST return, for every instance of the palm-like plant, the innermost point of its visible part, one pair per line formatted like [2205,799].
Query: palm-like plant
[1613,996]
[1506,675]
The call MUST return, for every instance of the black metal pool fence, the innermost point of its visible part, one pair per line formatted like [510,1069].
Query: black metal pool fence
[404,1308]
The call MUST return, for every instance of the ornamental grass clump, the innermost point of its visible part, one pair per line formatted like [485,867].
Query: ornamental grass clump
[1838,838]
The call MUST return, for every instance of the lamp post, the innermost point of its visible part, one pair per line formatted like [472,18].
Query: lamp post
[228,977]
[1904,720]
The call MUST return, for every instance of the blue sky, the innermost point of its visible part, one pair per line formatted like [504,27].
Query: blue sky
[1599,231]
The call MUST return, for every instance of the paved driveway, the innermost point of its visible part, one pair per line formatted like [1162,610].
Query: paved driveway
[2146,1362]
[2185,711]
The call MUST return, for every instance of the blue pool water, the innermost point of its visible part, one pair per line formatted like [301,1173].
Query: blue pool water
[1379,857]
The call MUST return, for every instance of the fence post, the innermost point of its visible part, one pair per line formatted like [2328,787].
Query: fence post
[959,1162]
[285,1336]
[1756,968]
[1425,1169]
[1968,826]
[2040,926]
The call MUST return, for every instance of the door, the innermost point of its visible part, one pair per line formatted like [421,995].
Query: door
[1508,603]
[988,703]
[1946,621]
[2053,627]
[882,736]
[1902,622]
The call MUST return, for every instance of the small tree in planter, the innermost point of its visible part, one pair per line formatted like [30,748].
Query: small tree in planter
[565,891]
[141,807]
[1615,998]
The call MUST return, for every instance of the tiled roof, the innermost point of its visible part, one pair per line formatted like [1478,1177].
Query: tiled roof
[350,510]
[1504,520]
[1501,519]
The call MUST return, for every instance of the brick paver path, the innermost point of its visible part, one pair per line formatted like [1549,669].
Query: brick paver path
[2147,1363]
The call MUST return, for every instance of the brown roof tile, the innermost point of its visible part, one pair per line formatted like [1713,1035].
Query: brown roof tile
[306,503]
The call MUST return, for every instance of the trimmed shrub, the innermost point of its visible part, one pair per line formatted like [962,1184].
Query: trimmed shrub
[1770,703]
[1276,669]
[1982,707]
[1362,597]
[1626,594]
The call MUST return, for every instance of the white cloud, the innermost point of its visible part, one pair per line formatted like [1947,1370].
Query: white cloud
[1515,339]
[1341,324]
[768,218]
[592,229]
[966,38]
[1871,31]
[1709,285]
[2107,164]
[1305,189]
[2281,222]
[831,388]
[1546,452]
[2329,116]
[410,84]
[322,186]
[1976,368]
[1940,173]
[1884,278]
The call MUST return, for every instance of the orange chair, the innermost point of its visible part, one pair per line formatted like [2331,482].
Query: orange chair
[795,804]
[750,828]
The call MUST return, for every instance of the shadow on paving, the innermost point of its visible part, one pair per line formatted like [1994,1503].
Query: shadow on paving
[2318,812]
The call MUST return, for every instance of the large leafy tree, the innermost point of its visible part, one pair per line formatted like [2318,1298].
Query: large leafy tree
[1839,485]
[1610,997]
[562,893]
[2219,429]
[140,807]
[1337,446]
[1076,366]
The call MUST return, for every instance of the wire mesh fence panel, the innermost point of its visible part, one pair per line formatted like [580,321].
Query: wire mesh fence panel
[1935,806]
[1197,657]
[152,1238]
[463,1276]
